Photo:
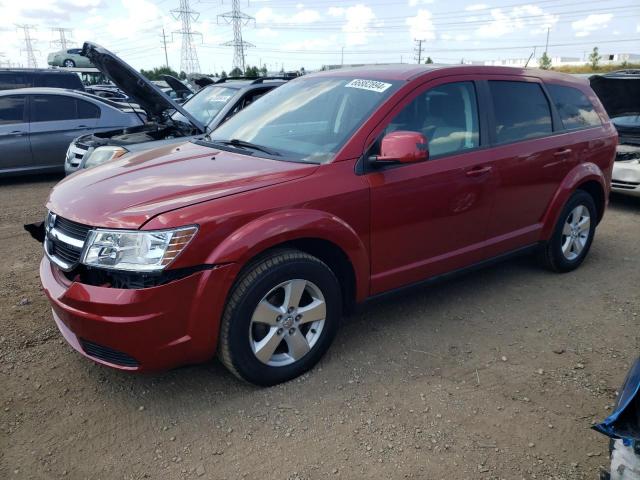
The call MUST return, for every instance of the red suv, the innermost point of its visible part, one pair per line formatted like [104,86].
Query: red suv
[252,241]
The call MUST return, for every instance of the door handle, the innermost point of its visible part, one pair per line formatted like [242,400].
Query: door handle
[562,153]
[17,132]
[478,171]
[82,126]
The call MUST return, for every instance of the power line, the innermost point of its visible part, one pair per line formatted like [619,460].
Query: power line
[62,41]
[28,45]
[237,19]
[189,56]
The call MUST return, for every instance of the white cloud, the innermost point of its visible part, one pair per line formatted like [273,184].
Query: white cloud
[309,44]
[530,17]
[358,20]
[476,6]
[266,33]
[458,38]
[414,3]
[591,23]
[266,15]
[421,26]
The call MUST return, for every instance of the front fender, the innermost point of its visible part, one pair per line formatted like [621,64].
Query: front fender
[285,226]
[581,174]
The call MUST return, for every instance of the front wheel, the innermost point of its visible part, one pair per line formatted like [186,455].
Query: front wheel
[573,234]
[69,63]
[280,318]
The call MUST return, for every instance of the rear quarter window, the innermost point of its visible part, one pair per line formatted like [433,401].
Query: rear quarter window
[573,106]
[11,80]
[55,80]
[521,111]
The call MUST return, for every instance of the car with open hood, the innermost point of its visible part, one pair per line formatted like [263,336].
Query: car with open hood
[619,92]
[251,242]
[169,120]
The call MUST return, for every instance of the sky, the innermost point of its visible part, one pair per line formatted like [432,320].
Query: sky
[297,33]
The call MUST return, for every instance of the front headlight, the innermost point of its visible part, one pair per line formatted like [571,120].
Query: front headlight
[103,154]
[135,250]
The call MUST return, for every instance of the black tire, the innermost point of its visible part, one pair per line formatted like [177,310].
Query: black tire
[258,279]
[551,254]
[69,63]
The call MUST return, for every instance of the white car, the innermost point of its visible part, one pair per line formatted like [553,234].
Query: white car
[620,94]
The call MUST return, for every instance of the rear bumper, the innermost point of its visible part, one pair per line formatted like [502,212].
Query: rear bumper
[626,177]
[140,329]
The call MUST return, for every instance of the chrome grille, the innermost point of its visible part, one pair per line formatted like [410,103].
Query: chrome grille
[64,241]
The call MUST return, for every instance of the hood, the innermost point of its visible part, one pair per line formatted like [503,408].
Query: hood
[619,92]
[176,85]
[127,193]
[139,89]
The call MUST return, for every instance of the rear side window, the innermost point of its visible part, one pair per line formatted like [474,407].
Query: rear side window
[87,110]
[521,111]
[12,109]
[11,80]
[573,106]
[56,80]
[49,108]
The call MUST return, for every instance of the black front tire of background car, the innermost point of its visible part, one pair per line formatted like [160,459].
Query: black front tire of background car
[69,63]
[551,255]
[260,277]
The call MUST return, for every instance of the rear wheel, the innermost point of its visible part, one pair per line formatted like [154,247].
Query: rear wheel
[69,63]
[280,318]
[573,234]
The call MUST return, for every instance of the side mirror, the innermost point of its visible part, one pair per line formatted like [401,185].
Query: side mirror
[402,147]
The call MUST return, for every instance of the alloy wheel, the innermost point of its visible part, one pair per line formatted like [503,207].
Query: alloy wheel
[575,232]
[287,322]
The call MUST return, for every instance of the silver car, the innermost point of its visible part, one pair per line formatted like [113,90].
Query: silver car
[38,124]
[68,58]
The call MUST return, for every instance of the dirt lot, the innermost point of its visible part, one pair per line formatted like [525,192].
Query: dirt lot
[498,374]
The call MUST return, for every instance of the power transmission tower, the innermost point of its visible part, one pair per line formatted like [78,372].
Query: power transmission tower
[28,45]
[62,41]
[237,18]
[164,45]
[189,56]
[418,50]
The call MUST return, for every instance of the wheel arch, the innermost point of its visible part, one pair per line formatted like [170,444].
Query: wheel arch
[585,176]
[317,233]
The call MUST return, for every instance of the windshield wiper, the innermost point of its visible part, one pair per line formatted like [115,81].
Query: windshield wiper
[235,142]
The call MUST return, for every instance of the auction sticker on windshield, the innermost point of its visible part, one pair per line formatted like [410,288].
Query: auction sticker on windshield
[372,85]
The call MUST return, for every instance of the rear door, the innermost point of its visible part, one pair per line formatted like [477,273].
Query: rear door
[55,121]
[530,157]
[14,133]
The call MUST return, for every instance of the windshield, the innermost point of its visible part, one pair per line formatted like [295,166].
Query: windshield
[206,104]
[307,119]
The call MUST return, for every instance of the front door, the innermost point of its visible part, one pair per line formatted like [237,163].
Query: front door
[429,218]
[14,133]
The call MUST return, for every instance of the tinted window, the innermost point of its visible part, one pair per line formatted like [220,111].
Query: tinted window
[74,51]
[447,115]
[56,80]
[11,109]
[87,110]
[11,80]
[574,108]
[47,108]
[521,111]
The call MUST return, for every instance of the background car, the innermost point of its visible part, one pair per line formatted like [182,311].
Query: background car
[37,125]
[12,78]
[619,93]
[170,122]
[68,58]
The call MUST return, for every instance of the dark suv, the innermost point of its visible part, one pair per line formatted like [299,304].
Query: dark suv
[11,78]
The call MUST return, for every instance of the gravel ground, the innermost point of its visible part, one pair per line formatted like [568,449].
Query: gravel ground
[498,374]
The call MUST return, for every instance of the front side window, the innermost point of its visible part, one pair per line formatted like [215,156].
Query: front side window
[49,108]
[446,115]
[521,111]
[574,108]
[87,110]
[308,119]
[12,109]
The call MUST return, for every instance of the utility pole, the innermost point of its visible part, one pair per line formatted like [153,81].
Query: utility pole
[164,45]
[419,50]
[28,45]
[237,19]
[63,41]
[546,45]
[188,56]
